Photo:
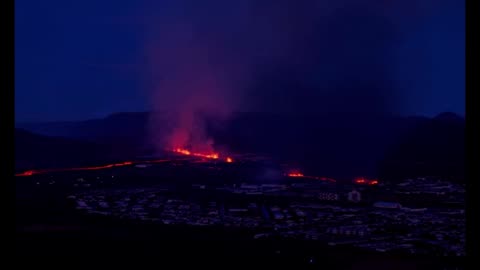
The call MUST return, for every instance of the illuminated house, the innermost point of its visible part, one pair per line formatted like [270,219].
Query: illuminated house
[354,196]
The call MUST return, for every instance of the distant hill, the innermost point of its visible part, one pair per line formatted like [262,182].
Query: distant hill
[119,126]
[435,147]
[38,151]
[338,145]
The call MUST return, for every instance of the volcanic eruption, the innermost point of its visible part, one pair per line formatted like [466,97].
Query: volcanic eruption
[278,57]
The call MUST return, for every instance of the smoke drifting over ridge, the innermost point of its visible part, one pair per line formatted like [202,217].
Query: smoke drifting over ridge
[211,58]
[194,83]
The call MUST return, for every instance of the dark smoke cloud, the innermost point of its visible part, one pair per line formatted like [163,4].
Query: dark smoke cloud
[211,58]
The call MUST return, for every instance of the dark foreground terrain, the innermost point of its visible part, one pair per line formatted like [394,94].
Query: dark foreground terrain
[88,241]
[49,228]
[149,245]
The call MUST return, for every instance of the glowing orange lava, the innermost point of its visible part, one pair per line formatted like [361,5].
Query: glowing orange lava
[363,181]
[211,156]
[229,160]
[188,153]
[295,174]
[32,172]
[360,180]
[27,173]
[120,164]
[321,178]
[182,151]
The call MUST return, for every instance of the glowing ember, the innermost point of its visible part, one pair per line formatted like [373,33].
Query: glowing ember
[211,156]
[182,151]
[295,174]
[27,173]
[360,180]
[364,181]
[229,160]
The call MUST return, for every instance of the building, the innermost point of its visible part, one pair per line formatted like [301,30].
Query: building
[354,196]
[328,196]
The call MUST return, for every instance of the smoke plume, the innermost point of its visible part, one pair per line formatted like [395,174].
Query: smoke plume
[208,59]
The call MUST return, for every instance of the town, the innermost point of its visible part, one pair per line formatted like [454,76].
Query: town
[417,216]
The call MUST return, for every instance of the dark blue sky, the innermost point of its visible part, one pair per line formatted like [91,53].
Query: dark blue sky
[86,59]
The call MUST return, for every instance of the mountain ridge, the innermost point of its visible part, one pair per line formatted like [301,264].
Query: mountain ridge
[335,145]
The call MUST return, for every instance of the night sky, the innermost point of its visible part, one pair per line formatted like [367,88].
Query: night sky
[86,59]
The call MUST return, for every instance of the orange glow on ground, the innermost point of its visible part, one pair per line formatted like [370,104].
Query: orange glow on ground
[203,155]
[326,179]
[363,181]
[32,172]
[360,180]
[295,174]
[321,178]
[210,156]
[27,173]
[120,164]
[182,151]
